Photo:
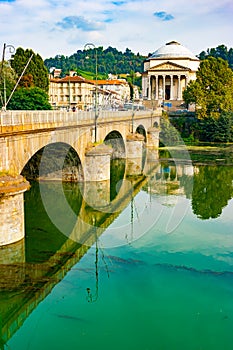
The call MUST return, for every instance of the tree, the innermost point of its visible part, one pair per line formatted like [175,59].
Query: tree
[168,135]
[36,72]
[220,51]
[212,91]
[7,82]
[32,98]
[212,189]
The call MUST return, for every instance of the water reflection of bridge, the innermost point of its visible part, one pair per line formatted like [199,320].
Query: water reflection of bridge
[25,280]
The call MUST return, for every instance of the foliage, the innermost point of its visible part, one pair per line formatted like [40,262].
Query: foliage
[220,51]
[109,60]
[212,188]
[210,129]
[89,75]
[36,73]
[169,135]
[32,98]
[221,130]
[7,82]
[187,126]
[212,91]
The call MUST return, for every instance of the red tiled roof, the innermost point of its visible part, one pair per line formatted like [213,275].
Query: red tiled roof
[69,79]
[79,79]
[109,82]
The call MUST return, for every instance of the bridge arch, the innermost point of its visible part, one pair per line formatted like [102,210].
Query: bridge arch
[142,131]
[155,124]
[55,161]
[115,139]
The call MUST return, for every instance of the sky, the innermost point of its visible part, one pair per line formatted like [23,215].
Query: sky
[62,27]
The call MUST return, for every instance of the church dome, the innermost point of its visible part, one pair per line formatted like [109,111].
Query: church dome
[173,49]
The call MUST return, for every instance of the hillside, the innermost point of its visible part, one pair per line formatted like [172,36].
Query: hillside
[109,60]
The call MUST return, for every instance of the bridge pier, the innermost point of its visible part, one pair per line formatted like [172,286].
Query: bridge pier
[97,163]
[153,137]
[97,194]
[134,153]
[12,208]
[12,265]
[152,157]
[97,176]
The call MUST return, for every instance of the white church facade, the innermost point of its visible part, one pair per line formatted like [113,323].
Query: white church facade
[167,72]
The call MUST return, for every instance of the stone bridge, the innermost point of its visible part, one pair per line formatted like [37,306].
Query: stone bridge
[32,141]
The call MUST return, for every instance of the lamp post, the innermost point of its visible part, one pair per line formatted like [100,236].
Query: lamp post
[11,49]
[90,45]
[133,97]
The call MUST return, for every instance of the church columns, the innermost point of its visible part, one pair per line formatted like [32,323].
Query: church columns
[171,88]
[179,88]
[164,86]
[156,87]
[149,87]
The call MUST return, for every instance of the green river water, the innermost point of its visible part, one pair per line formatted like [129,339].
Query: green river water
[159,277]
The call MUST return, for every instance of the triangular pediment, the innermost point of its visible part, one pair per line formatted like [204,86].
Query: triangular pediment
[168,66]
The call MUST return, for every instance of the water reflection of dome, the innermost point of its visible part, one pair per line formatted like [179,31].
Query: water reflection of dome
[166,188]
[168,200]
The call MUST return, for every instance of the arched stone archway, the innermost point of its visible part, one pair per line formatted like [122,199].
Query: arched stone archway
[142,131]
[115,139]
[55,161]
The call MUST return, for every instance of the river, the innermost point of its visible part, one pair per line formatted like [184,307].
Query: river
[158,275]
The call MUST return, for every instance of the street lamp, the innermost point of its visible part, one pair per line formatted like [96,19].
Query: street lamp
[11,50]
[90,45]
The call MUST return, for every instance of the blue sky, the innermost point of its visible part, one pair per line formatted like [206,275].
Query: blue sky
[52,27]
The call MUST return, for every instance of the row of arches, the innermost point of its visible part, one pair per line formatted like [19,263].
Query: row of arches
[60,159]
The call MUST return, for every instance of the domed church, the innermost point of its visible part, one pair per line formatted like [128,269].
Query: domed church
[166,74]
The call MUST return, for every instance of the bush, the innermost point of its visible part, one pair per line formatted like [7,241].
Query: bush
[192,129]
[217,130]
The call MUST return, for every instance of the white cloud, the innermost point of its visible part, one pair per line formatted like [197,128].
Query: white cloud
[50,27]
[79,22]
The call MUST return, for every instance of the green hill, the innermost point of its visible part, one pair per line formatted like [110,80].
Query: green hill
[109,60]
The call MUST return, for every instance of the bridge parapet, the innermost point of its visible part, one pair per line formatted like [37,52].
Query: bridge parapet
[13,121]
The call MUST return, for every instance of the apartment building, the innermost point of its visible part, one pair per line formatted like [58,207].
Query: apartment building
[71,92]
[76,92]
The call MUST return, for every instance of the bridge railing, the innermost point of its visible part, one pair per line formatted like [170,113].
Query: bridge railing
[33,120]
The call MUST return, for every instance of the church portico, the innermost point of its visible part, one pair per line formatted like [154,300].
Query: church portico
[167,72]
[167,86]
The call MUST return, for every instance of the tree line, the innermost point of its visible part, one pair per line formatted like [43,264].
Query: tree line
[220,51]
[109,60]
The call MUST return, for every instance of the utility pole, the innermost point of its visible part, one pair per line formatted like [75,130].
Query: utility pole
[96,85]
